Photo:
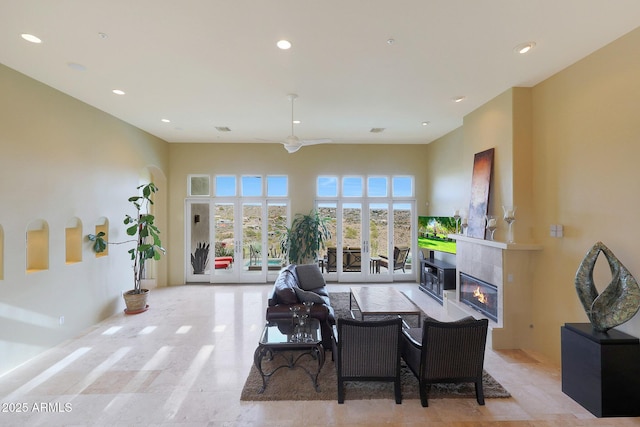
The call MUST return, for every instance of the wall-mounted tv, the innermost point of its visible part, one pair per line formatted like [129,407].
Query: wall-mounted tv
[433,231]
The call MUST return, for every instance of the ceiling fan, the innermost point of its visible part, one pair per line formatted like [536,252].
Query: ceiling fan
[292,143]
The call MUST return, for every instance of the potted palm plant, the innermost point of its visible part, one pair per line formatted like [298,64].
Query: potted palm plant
[147,245]
[307,235]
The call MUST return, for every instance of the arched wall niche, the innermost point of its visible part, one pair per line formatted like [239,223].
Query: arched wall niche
[73,241]
[103,226]
[37,246]
[156,272]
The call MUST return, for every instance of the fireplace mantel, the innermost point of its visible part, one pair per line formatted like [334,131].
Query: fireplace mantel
[496,244]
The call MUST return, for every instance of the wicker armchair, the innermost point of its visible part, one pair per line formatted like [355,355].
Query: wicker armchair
[446,352]
[369,351]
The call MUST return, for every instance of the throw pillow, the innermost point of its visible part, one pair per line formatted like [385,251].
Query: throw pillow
[285,285]
[291,268]
[309,277]
[306,296]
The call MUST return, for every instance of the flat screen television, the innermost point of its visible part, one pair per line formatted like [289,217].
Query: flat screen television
[433,231]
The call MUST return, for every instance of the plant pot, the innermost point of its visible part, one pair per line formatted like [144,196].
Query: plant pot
[136,303]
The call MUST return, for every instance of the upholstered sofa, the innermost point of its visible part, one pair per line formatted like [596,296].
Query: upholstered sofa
[296,284]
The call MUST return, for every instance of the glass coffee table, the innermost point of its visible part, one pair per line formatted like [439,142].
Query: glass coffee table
[286,340]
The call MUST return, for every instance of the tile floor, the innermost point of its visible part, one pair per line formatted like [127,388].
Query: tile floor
[184,362]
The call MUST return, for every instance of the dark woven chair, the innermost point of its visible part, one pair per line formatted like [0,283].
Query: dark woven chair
[369,351]
[446,352]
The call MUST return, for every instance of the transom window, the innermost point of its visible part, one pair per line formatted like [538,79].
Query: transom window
[241,186]
[354,186]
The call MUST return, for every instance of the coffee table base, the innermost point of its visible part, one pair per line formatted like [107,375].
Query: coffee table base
[316,351]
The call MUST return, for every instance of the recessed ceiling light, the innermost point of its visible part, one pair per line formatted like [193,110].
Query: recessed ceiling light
[31,38]
[103,35]
[390,41]
[377,130]
[296,122]
[76,66]
[166,120]
[426,123]
[223,129]
[458,99]
[118,92]
[524,47]
[284,44]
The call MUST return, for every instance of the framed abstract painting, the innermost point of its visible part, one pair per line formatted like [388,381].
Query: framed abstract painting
[480,187]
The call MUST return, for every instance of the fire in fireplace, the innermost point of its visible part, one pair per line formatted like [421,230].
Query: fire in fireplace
[479,295]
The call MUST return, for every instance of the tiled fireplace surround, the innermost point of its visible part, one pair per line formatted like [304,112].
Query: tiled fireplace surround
[507,266]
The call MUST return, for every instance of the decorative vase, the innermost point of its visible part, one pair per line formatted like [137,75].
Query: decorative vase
[136,303]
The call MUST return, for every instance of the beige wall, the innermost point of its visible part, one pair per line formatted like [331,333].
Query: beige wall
[302,168]
[63,160]
[565,154]
[504,124]
[446,175]
[586,145]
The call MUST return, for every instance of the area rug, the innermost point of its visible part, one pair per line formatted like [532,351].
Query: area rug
[295,384]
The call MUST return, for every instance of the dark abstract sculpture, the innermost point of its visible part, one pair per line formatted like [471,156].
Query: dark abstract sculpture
[618,303]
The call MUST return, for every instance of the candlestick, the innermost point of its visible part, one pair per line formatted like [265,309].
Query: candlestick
[509,217]
[491,225]
[456,216]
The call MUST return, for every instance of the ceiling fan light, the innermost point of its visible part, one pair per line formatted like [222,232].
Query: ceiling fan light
[291,148]
[293,140]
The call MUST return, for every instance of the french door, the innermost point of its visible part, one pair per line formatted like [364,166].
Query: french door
[364,235]
[240,238]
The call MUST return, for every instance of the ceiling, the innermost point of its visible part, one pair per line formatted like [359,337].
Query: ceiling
[354,64]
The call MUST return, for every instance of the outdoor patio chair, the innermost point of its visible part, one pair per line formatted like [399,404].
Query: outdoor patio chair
[331,262]
[351,259]
[399,258]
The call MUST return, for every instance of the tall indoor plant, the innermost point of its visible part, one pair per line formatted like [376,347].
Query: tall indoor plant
[147,244]
[306,236]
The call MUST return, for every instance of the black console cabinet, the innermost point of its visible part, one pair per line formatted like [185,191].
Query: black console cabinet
[436,276]
[601,371]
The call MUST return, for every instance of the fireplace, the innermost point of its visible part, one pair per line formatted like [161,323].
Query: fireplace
[479,295]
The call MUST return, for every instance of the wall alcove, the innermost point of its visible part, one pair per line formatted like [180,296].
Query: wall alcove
[73,241]
[37,246]
[103,226]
